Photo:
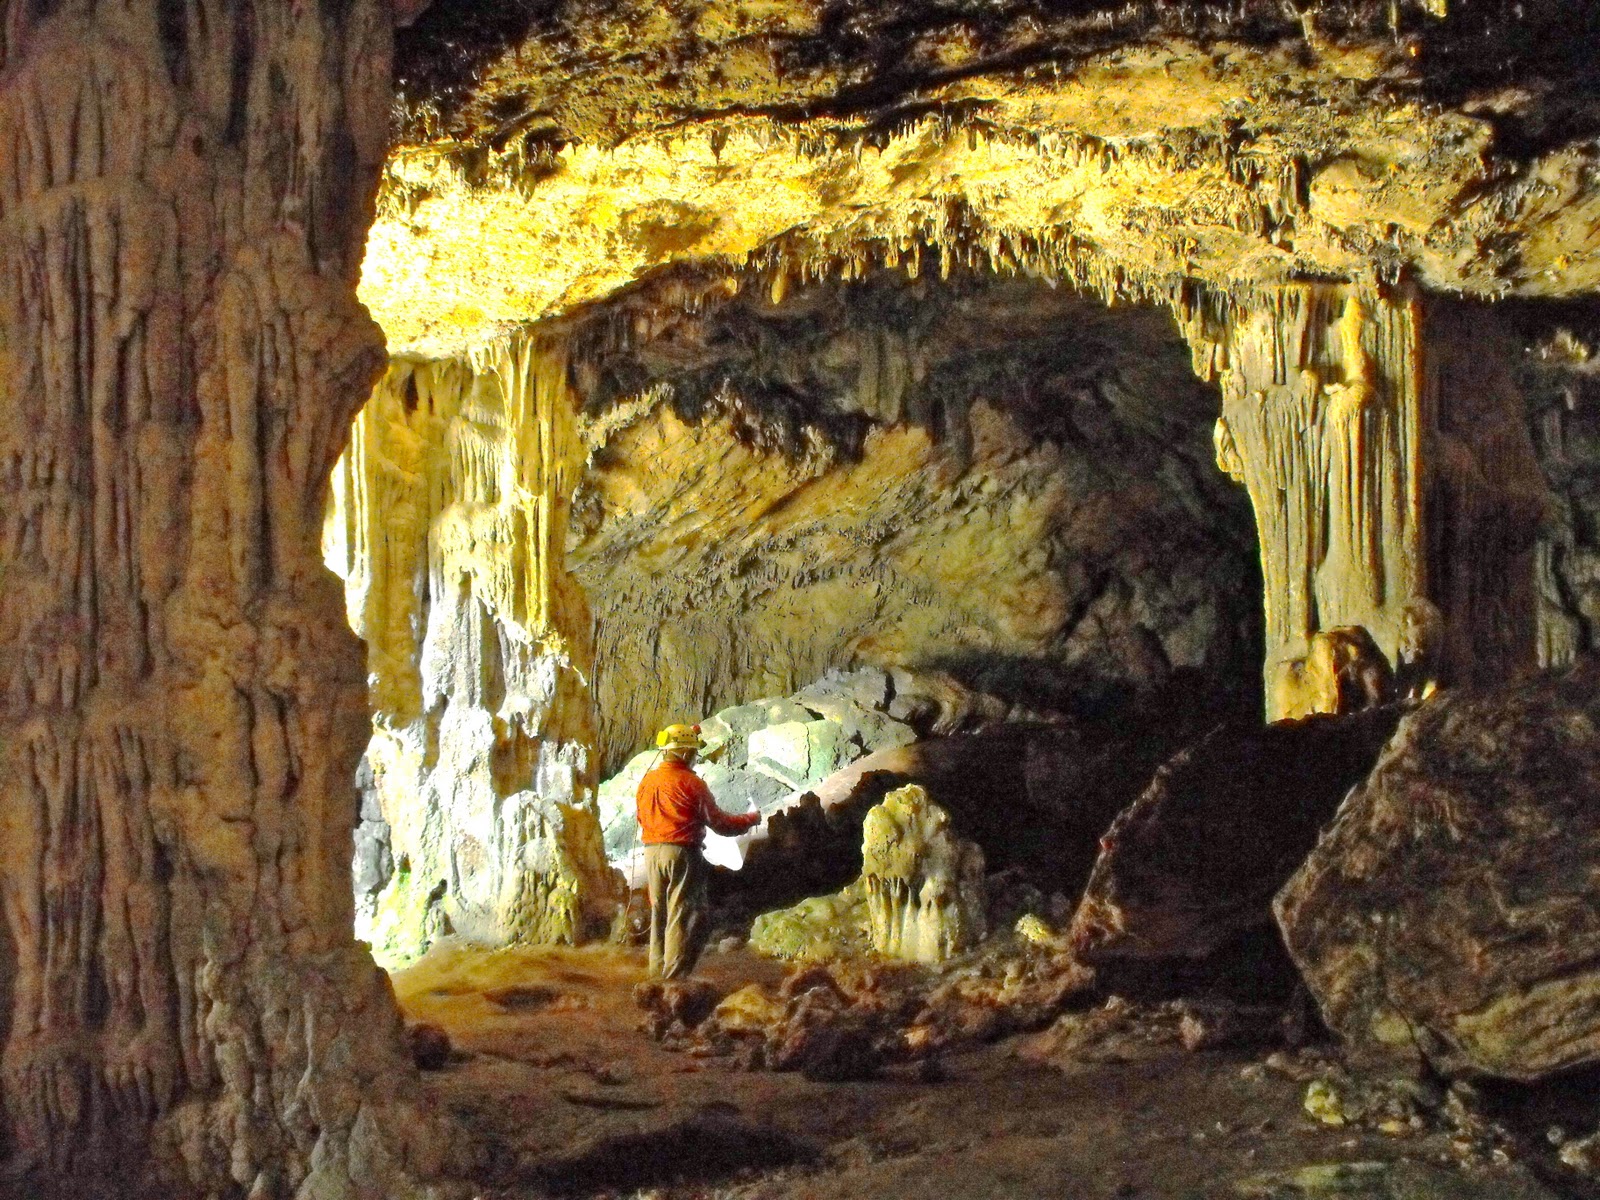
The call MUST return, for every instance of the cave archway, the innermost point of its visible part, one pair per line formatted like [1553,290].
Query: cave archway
[729,437]
[996,489]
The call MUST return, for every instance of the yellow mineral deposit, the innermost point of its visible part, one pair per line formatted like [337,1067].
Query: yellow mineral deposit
[448,524]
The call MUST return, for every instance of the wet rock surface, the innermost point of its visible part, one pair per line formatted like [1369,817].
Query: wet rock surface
[1451,909]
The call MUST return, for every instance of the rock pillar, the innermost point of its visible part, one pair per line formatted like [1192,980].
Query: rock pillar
[1387,459]
[184,194]
[448,524]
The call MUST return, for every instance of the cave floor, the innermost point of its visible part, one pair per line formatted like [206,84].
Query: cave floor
[566,1096]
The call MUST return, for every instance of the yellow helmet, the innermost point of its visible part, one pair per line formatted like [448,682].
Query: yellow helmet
[680,737]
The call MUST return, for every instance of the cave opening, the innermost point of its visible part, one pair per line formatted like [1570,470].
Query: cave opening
[976,505]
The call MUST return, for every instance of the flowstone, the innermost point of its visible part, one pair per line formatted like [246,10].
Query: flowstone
[925,899]
[446,523]
[187,190]
[1382,440]
[920,897]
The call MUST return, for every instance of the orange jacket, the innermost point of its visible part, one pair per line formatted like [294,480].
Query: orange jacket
[675,808]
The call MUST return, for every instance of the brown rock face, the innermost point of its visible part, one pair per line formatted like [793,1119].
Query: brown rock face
[983,479]
[1194,861]
[181,704]
[1454,906]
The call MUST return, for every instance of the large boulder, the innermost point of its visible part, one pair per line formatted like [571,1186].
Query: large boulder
[1194,862]
[1453,908]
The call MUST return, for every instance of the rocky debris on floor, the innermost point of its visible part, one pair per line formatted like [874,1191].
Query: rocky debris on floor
[849,1018]
[672,1007]
[1452,910]
[811,1024]
[1582,1155]
[1010,986]
[920,897]
[1120,1030]
[1454,1118]
[1194,862]
[1403,1180]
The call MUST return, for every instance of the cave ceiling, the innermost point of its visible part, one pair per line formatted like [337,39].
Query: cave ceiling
[552,155]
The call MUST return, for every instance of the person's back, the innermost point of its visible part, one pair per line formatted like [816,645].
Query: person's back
[675,809]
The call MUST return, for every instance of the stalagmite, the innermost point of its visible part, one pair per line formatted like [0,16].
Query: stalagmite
[448,524]
[1383,447]
[920,897]
[924,884]
[184,194]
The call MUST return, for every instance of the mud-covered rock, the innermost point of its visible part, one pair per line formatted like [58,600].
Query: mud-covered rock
[1453,908]
[1120,1030]
[832,1052]
[673,1007]
[1194,862]
[818,928]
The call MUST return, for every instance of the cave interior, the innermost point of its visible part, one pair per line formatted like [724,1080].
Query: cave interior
[1115,486]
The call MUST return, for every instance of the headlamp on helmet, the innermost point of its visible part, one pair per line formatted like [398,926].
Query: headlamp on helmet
[680,737]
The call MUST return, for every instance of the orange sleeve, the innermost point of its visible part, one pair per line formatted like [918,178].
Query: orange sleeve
[726,823]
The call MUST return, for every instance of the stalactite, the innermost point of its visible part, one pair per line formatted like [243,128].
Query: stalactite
[459,478]
[181,707]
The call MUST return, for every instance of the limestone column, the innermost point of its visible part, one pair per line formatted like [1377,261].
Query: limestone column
[185,188]
[1383,447]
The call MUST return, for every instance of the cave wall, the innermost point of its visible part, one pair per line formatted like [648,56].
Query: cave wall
[1561,375]
[448,524]
[994,490]
[184,195]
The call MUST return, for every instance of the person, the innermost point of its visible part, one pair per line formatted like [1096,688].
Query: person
[675,810]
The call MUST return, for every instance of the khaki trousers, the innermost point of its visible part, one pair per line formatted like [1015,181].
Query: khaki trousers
[676,876]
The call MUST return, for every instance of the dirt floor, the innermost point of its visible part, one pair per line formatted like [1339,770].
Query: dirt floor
[565,1095]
